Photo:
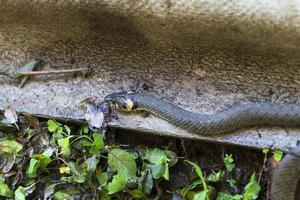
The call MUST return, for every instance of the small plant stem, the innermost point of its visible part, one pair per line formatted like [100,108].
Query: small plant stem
[82,136]
[263,167]
[46,72]
[60,160]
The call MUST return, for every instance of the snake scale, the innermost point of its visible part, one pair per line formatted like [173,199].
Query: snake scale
[285,178]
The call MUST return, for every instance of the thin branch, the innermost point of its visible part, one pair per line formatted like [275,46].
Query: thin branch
[62,71]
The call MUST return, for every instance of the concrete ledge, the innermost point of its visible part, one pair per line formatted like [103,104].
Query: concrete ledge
[202,68]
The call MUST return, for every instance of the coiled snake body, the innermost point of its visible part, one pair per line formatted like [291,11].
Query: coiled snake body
[285,178]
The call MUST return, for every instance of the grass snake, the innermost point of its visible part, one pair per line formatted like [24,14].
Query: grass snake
[285,178]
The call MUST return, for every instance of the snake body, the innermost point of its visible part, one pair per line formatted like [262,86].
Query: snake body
[243,116]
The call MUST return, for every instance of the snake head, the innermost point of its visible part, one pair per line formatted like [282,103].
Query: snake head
[122,100]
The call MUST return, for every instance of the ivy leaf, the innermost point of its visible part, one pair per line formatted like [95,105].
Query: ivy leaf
[206,189]
[156,170]
[44,160]
[228,160]
[147,182]
[62,195]
[215,176]
[4,190]
[64,142]
[20,193]
[10,146]
[226,196]
[252,189]
[122,162]
[231,182]
[198,170]
[53,125]
[278,154]
[38,162]
[67,128]
[48,151]
[157,161]
[102,178]
[166,174]
[172,157]
[92,163]
[265,150]
[34,164]
[137,194]
[155,156]
[84,129]
[117,184]
[97,144]
[63,170]
[77,174]
[200,196]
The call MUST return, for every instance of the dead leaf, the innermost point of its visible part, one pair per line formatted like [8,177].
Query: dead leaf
[11,115]
[32,121]
[93,115]
[49,190]
[9,165]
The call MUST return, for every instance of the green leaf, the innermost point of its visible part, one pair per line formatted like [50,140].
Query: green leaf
[48,152]
[66,152]
[215,177]
[200,174]
[231,182]
[62,195]
[122,162]
[33,167]
[44,160]
[227,196]
[136,194]
[147,182]
[84,129]
[92,163]
[102,178]
[64,142]
[77,174]
[20,193]
[117,184]
[38,162]
[200,196]
[97,144]
[155,156]
[252,189]
[278,154]
[228,160]
[53,125]
[157,161]
[265,150]
[10,146]
[4,190]
[67,128]
[172,157]
[198,170]
[166,172]
[157,171]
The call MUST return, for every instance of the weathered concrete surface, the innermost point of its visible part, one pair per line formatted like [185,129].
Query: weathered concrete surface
[204,66]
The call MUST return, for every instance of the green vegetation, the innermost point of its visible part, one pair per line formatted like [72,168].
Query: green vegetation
[60,162]
[201,190]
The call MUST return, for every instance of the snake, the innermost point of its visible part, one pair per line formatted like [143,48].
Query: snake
[286,176]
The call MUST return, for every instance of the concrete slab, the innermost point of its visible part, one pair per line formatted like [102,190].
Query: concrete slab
[203,69]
